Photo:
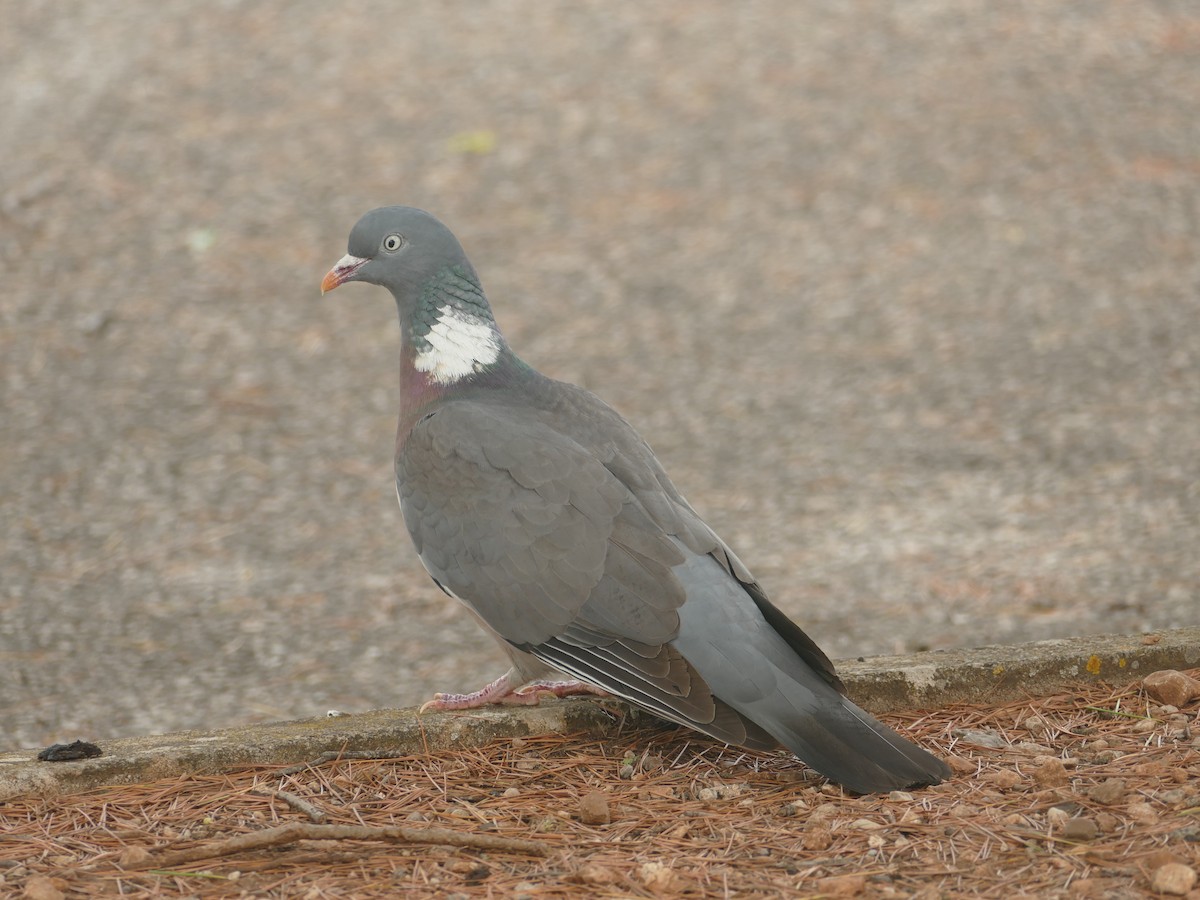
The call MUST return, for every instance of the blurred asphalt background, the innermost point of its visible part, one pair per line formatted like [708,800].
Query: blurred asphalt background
[906,297]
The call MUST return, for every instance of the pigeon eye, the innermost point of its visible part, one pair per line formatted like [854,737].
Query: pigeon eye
[392,243]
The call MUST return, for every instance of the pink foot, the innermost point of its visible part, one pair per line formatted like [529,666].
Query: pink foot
[503,692]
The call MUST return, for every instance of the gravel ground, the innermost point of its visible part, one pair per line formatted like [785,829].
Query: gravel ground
[907,299]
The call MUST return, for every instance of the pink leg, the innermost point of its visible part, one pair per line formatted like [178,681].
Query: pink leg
[503,691]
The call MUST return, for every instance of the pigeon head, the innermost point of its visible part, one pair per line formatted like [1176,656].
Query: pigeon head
[399,248]
[447,322]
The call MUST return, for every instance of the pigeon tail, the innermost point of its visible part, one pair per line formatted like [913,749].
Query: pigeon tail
[751,667]
[843,742]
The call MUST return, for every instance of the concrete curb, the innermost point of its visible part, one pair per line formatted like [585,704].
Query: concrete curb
[881,684]
[998,674]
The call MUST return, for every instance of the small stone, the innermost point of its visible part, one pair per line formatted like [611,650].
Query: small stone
[94,323]
[816,839]
[1142,812]
[656,877]
[1057,818]
[865,825]
[625,773]
[1171,687]
[592,874]
[1051,773]
[39,887]
[706,795]
[961,764]
[1005,779]
[1081,829]
[593,809]
[983,737]
[132,856]
[1144,726]
[824,812]
[417,817]
[651,763]
[511,792]
[841,885]
[1173,878]
[1032,747]
[901,796]
[1107,822]
[1091,887]
[1035,724]
[1108,791]
[911,817]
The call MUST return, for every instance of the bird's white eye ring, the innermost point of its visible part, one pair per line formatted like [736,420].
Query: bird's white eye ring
[393,242]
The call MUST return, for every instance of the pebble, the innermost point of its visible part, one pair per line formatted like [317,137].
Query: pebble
[132,855]
[1142,812]
[657,877]
[593,874]
[1005,779]
[816,839]
[961,764]
[1057,818]
[1035,724]
[1108,791]
[593,809]
[1171,687]
[993,740]
[39,887]
[841,885]
[1031,747]
[1081,829]
[651,763]
[1173,878]
[865,825]
[1051,773]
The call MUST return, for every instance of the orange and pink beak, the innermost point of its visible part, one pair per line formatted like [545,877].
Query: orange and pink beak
[342,272]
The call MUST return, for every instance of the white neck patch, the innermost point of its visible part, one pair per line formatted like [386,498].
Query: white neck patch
[458,346]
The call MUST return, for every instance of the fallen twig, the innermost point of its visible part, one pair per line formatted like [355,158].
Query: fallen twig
[297,803]
[303,831]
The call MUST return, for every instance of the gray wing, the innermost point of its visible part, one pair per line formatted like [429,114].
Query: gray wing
[557,555]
